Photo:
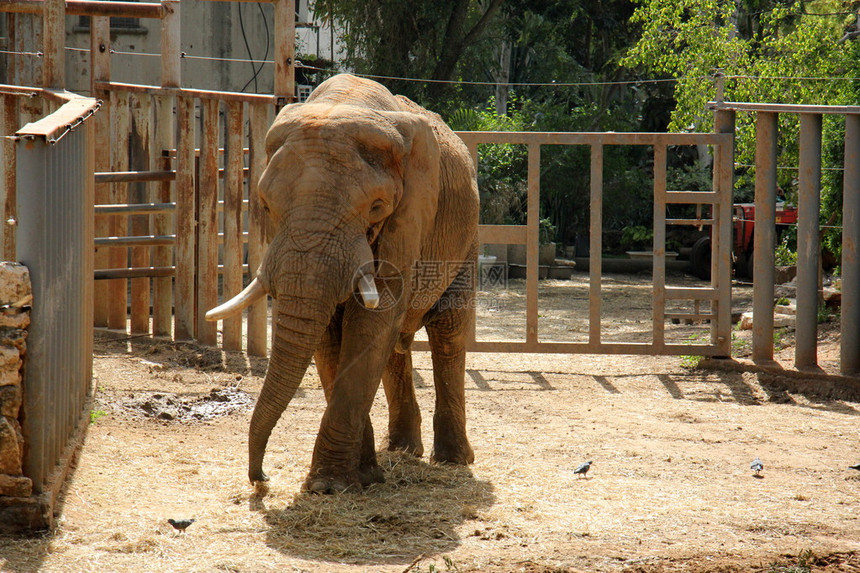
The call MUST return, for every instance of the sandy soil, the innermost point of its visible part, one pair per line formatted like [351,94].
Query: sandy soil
[670,488]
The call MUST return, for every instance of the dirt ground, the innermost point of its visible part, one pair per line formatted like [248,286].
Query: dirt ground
[670,488]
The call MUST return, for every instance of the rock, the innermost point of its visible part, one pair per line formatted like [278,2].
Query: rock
[779,321]
[11,446]
[15,283]
[10,400]
[16,486]
[10,358]
[832,298]
[784,275]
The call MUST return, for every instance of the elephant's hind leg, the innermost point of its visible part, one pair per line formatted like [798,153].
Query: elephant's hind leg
[447,333]
[404,417]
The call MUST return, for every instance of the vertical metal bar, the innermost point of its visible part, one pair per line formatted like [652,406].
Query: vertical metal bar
[183,295]
[659,250]
[118,288]
[595,245]
[162,287]
[809,196]
[100,71]
[54,38]
[207,223]
[285,49]
[472,329]
[258,115]
[170,45]
[140,287]
[532,235]
[764,238]
[850,349]
[721,277]
[8,126]
[233,187]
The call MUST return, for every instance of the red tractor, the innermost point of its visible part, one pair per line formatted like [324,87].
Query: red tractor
[743,226]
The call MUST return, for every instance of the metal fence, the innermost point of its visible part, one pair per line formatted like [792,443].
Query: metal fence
[809,248]
[49,209]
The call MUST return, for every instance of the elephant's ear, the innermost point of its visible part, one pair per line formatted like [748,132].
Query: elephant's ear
[406,229]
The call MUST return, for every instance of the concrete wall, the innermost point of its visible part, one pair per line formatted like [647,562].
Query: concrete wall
[228,30]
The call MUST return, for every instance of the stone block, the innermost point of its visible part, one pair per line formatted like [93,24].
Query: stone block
[14,318]
[10,377]
[16,486]
[14,283]
[10,358]
[11,446]
[10,401]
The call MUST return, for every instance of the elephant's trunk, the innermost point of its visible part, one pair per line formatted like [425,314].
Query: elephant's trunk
[292,349]
[307,287]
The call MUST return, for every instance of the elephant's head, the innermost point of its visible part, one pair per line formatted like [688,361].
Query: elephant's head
[345,187]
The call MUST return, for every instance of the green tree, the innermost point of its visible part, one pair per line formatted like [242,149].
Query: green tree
[770,51]
[417,39]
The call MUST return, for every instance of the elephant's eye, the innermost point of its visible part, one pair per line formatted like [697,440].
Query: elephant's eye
[378,207]
[370,156]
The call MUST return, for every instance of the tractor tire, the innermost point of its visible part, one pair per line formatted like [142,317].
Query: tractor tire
[700,258]
[744,265]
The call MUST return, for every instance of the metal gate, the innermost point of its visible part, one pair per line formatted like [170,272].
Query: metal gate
[710,303]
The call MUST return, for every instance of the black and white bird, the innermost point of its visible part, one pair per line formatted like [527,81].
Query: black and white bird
[857,467]
[180,524]
[582,469]
[756,466]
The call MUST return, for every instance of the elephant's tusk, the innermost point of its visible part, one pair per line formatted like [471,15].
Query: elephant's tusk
[252,293]
[368,291]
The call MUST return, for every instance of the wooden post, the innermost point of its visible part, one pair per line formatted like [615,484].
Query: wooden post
[141,110]
[100,71]
[207,224]
[54,41]
[185,236]
[118,288]
[257,314]
[285,51]
[170,44]
[8,126]
[162,223]
[233,193]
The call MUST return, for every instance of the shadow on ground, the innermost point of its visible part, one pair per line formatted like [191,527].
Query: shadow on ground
[417,511]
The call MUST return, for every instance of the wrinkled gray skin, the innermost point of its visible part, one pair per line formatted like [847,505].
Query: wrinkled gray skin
[355,175]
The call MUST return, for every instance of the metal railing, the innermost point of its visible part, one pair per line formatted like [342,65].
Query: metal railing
[808,229]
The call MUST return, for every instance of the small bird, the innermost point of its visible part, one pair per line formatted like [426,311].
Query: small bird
[857,467]
[180,524]
[756,466]
[583,468]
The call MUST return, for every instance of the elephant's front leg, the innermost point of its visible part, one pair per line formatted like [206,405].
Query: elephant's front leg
[447,333]
[404,417]
[344,453]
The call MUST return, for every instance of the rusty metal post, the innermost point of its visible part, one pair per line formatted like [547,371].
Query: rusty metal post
[285,51]
[595,248]
[54,42]
[8,126]
[141,114]
[721,275]
[170,44]
[532,234]
[850,350]
[162,223]
[809,197]
[765,235]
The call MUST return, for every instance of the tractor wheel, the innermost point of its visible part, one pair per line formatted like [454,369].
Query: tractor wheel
[700,258]
[744,265]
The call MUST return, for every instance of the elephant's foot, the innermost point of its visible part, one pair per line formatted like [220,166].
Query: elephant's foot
[321,481]
[371,473]
[408,443]
[256,475]
[452,453]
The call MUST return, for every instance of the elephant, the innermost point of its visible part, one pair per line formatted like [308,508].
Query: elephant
[372,220]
